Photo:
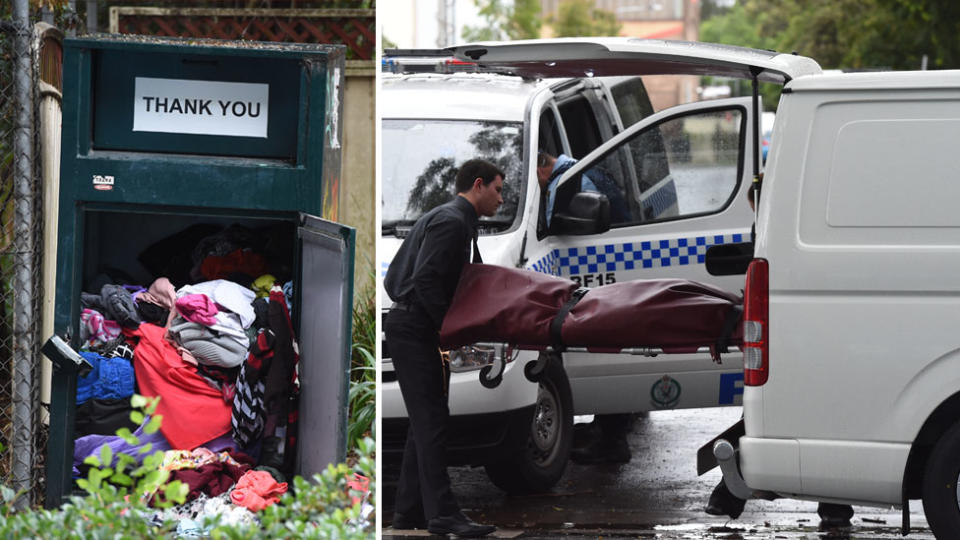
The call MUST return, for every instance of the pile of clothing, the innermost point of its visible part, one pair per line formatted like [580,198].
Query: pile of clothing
[222,358]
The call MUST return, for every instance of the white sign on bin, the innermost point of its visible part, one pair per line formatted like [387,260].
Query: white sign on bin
[201,107]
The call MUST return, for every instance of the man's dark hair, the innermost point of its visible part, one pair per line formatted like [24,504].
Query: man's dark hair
[476,168]
[545,158]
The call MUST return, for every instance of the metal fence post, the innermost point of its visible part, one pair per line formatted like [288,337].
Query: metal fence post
[23,327]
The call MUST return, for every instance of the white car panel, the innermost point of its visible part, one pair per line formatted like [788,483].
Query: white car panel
[467,396]
[853,470]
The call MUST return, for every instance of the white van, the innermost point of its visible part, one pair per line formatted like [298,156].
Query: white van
[683,172]
[858,245]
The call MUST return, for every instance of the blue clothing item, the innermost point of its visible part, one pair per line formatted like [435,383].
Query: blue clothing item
[111,378]
[563,163]
[288,294]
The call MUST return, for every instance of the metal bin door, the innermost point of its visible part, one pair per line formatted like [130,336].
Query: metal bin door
[326,319]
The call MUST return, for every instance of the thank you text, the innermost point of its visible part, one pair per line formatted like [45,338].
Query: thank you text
[200,107]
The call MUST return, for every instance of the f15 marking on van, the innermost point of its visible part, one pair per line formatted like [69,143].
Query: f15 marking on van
[589,280]
[731,385]
[631,255]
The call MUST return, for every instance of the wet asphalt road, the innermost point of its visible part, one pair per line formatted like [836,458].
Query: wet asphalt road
[656,495]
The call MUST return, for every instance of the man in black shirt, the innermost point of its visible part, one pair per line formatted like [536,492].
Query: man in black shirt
[421,281]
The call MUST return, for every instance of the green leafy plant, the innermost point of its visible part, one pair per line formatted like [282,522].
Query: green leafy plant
[363,371]
[116,477]
[116,505]
[118,490]
[322,507]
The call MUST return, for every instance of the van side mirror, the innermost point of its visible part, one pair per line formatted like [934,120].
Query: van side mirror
[729,259]
[588,213]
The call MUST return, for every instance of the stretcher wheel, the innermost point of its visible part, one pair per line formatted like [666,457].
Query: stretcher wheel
[485,379]
[534,370]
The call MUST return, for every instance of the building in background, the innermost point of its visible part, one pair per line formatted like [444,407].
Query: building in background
[425,24]
[651,19]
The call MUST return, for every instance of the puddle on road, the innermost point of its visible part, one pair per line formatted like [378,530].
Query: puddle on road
[703,531]
[694,531]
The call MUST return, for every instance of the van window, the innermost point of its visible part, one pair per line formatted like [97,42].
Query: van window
[580,125]
[549,138]
[421,157]
[632,101]
[686,165]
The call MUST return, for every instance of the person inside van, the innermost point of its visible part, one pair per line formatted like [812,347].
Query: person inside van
[724,503]
[550,168]
[421,282]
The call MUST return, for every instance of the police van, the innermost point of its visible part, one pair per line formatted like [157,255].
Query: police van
[683,173]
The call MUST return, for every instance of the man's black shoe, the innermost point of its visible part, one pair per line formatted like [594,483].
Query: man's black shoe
[834,515]
[403,523]
[724,503]
[602,451]
[460,525]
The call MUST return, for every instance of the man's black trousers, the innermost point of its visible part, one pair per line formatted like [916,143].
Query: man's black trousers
[424,484]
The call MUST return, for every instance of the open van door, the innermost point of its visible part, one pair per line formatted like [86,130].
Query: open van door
[683,173]
[685,161]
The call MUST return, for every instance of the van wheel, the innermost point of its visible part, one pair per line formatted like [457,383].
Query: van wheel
[941,486]
[544,457]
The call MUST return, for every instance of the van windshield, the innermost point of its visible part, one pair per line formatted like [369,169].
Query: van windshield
[420,160]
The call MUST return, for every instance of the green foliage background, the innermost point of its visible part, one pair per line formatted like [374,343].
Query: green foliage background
[845,34]
[363,368]
[519,19]
[579,18]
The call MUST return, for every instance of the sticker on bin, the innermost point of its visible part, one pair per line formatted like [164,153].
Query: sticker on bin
[102,182]
[200,107]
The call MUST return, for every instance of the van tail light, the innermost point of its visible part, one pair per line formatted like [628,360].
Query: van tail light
[756,337]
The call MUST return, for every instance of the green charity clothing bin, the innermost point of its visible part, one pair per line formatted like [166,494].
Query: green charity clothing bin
[166,139]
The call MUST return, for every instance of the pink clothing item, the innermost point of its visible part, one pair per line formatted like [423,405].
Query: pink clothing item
[198,308]
[97,329]
[257,490]
[161,293]
[185,354]
[360,484]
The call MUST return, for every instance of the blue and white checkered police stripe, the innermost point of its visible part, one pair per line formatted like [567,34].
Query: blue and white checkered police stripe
[547,265]
[631,255]
[384,266]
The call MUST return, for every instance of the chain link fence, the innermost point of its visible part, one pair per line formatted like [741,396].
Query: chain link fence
[21,214]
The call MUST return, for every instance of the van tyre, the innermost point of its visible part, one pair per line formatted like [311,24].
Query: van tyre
[544,456]
[940,484]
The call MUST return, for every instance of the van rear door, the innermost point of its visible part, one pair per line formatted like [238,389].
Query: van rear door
[682,174]
[601,57]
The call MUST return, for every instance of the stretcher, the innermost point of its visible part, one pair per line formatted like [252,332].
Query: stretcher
[533,311]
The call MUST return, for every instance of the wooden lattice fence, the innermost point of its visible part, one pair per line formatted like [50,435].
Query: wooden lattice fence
[355,28]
